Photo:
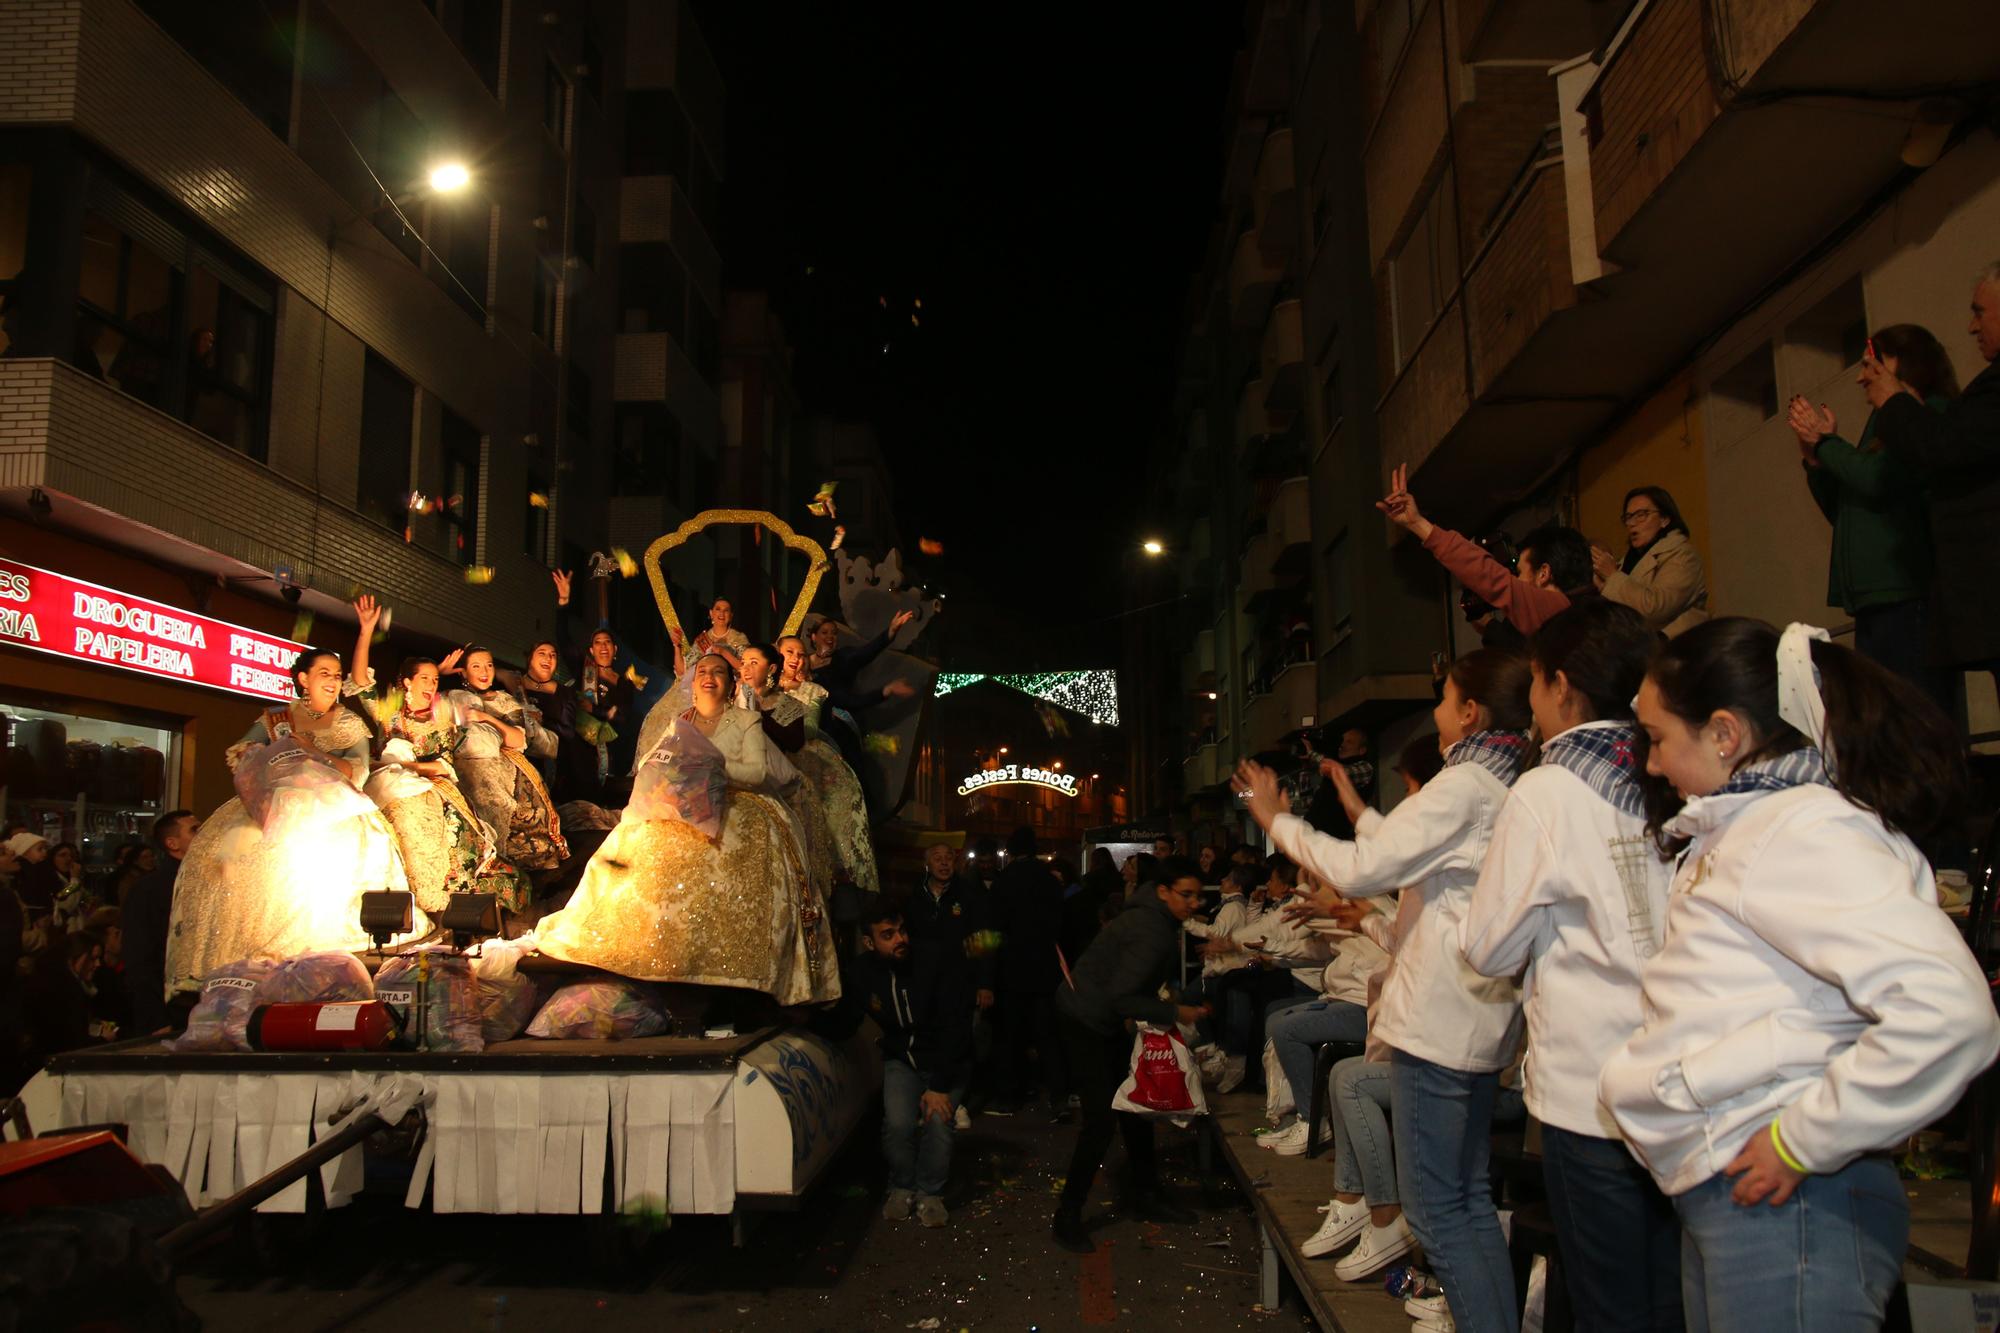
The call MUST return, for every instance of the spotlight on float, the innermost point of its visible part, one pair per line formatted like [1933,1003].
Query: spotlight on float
[387,913]
[449,177]
[470,915]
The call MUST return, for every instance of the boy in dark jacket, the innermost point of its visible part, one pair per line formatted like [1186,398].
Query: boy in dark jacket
[1117,982]
[924,1012]
[1027,910]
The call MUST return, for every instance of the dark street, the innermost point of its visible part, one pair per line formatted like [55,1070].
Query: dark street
[834,1265]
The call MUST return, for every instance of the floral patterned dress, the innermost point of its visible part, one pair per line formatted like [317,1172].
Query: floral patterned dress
[503,785]
[447,847]
[839,791]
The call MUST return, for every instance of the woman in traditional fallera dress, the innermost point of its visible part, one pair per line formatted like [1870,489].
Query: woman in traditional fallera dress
[821,763]
[280,869]
[704,879]
[496,771]
[758,691]
[722,638]
[447,847]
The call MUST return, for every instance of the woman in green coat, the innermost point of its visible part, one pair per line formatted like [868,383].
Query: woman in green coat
[1880,570]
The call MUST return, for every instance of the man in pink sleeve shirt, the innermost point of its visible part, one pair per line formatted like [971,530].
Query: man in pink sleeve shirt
[1554,568]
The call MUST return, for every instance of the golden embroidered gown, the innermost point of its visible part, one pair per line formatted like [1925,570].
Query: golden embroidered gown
[292,882]
[502,785]
[661,902]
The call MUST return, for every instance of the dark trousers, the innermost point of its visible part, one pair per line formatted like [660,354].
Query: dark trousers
[1028,1019]
[1621,1242]
[1897,637]
[1098,1064]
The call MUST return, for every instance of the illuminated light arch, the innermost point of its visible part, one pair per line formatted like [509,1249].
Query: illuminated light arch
[1091,693]
[1015,775]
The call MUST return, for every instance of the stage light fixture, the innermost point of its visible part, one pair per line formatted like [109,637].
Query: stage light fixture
[467,915]
[387,913]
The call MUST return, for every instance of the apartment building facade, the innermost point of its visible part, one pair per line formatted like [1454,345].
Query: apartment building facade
[256,357]
[1545,252]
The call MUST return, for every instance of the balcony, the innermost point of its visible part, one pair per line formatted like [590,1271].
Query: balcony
[1253,419]
[656,208]
[1274,196]
[1292,698]
[652,368]
[1253,280]
[1284,358]
[125,475]
[1287,527]
[1267,76]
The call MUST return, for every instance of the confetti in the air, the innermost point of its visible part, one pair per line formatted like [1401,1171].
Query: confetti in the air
[839,536]
[479,573]
[822,501]
[626,564]
[638,681]
[930,546]
[302,627]
[537,500]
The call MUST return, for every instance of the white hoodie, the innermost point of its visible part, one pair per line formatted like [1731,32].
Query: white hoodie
[1574,888]
[1807,974]
[1433,1006]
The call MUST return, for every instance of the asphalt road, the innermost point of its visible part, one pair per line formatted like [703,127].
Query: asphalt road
[835,1265]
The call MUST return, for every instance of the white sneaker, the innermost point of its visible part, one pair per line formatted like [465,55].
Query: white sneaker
[961,1119]
[1287,1142]
[1438,1323]
[1428,1311]
[1376,1250]
[1234,1070]
[1344,1221]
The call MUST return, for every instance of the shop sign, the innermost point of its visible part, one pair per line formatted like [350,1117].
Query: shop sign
[87,622]
[1015,774]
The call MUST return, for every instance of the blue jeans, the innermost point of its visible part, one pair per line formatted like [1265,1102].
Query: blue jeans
[1826,1261]
[1364,1158]
[1442,1119]
[918,1151]
[1620,1239]
[1296,1031]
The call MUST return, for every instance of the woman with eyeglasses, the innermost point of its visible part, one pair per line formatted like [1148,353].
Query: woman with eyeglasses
[1660,576]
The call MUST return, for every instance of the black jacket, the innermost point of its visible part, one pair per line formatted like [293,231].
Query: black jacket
[1120,974]
[1957,453]
[148,905]
[924,1011]
[952,927]
[1028,913]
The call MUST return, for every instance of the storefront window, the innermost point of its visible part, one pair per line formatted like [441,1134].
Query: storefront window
[16,180]
[85,780]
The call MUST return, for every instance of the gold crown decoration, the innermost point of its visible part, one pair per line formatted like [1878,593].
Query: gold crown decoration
[814,553]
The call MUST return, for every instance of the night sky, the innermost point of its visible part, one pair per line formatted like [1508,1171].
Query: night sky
[1043,182]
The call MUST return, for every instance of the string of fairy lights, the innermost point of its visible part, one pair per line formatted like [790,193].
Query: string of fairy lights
[1091,693]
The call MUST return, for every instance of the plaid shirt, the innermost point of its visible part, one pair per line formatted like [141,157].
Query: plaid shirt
[1601,754]
[1500,753]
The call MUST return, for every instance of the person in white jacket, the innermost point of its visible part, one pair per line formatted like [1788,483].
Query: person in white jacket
[1450,1030]
[1811,1007]
[1574,890]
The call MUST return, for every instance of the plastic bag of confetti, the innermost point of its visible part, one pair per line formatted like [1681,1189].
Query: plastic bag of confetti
[604,1010]
[221,1017]
[506,1005]
[449,995]
[317,978]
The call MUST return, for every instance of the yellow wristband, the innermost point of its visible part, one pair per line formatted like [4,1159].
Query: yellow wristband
[1778,1142]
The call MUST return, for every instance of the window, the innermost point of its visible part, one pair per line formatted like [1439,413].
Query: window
[247,51]
[577,414]
[229,350]
[388,407]
[704,339]
[701,481]
[535,516]
[652,289]
[370,128]
[478,35]
[705,192]
[647,460]
[657,138]
[592,73]
[583,233]
[1423,274]
[16,185]
[555,102]
[126,293]
[548,288]
[459,485]
[466,227]
[1333,411]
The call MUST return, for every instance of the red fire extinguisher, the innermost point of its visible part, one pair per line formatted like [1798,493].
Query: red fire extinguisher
[349,1025]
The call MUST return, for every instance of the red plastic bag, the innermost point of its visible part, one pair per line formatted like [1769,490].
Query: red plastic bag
[1163,1079]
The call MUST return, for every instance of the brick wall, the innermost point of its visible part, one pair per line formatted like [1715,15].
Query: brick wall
[1522,278]
[1492,137]
[38,49]
[1407,139]
[1429,399]
[1650,106]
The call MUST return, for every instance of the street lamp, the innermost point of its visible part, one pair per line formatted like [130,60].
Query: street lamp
[449,177]
[1153,546]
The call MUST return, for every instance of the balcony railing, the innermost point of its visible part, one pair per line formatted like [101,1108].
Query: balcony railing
[1283,356]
